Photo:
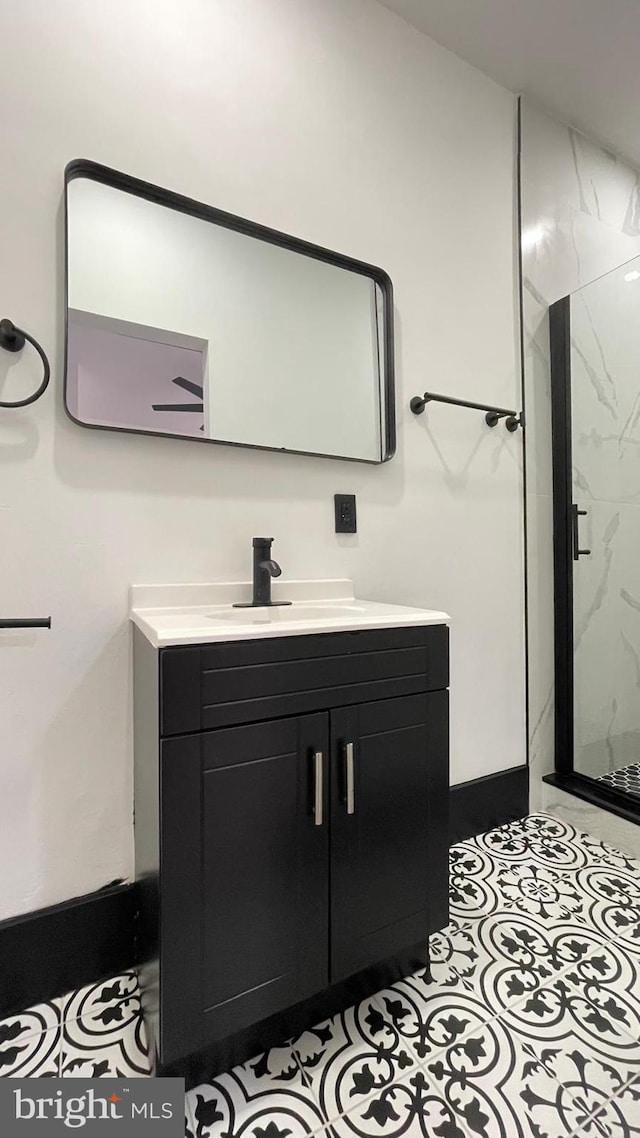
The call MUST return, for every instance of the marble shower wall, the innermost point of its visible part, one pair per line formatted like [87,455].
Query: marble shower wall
[580,219]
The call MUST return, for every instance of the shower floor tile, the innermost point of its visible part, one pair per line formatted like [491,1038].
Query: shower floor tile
[627,779]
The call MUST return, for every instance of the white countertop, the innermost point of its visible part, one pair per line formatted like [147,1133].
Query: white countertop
[204,613]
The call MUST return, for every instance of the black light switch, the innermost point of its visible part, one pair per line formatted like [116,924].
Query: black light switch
[345,513]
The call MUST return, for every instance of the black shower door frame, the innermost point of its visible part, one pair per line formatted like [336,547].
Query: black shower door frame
[565,776]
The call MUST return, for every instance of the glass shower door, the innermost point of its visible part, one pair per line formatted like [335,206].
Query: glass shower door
[605,527]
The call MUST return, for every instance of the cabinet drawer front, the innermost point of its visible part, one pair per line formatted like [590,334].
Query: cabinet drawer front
[222,684]
[258,681]
[299,703]
[277,649]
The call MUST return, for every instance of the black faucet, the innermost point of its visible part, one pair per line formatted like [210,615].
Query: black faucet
[264,568]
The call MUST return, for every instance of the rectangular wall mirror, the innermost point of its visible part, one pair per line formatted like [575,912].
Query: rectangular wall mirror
[186,321]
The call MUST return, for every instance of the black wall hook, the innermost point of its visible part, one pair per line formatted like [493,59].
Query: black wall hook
[13,339]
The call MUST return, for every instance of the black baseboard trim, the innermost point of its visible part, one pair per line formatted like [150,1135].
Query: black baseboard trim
[51,951]
[487,802]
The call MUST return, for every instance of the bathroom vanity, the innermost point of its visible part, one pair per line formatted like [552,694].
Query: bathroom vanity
[291,793]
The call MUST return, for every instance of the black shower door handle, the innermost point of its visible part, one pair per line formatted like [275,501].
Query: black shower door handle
[575,514]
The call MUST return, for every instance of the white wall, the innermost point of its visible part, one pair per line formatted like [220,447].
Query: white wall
[580,219]
[335,121]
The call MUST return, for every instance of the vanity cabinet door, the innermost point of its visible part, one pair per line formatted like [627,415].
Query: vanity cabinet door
[388,828]
[264,869]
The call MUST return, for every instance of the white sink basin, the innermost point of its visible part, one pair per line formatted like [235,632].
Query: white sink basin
[204,614]
[287,613]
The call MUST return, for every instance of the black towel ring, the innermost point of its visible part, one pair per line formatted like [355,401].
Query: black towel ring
[13,339]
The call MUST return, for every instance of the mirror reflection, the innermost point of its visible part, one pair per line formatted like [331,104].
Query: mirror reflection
[186,326]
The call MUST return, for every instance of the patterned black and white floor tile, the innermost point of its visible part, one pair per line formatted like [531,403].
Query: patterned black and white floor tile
[489,1083]
[471,882]
[97,1030]
[626,779]
[612,900]
[345,1058]
[542,839]
[619,1117]
[508,955]
[451,953]
[526,1024]
[30,1042]
[108,1001]
[426,1019]
[104,1032]
[90,1051]
[561,1017]
[268,1097]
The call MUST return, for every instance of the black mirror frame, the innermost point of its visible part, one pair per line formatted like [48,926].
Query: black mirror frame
[85,168]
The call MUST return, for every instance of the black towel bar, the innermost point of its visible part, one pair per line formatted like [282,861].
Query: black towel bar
[512,419]
[29,622]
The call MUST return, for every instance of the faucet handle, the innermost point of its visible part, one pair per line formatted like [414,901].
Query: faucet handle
[262,541]
[271,567]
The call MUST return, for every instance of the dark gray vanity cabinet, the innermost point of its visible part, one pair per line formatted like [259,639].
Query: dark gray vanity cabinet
[291,824]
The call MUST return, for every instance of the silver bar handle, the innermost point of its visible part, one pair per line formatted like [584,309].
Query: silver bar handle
[351,790]
[317,806]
